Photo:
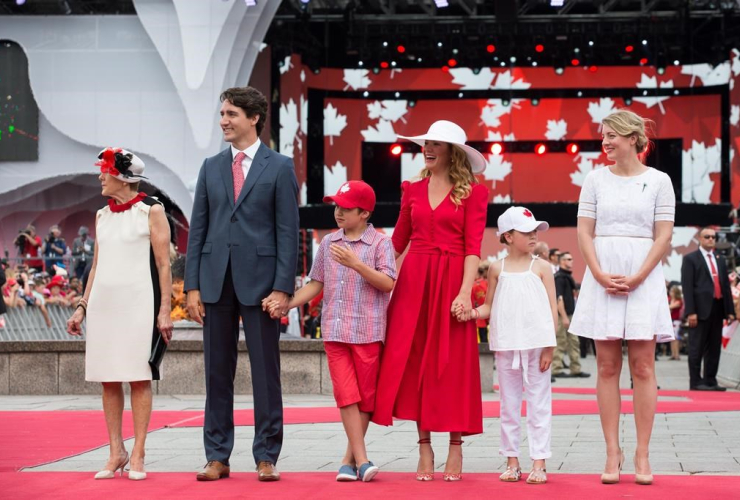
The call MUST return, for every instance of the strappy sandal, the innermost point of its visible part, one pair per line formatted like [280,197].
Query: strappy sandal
[511,475]
[454,476]
[426,476]
[537,476]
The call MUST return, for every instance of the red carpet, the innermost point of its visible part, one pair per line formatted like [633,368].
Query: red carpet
[388,485]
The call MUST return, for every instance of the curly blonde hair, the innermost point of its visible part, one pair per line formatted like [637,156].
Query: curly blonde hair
[626,123]
[461,175]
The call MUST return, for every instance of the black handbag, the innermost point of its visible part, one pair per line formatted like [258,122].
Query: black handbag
[159,347]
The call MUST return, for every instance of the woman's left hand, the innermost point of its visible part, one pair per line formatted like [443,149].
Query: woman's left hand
[631,282]
[461,307]
[164,325]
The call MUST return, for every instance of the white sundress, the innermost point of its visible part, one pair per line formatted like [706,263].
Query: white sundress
[625,209]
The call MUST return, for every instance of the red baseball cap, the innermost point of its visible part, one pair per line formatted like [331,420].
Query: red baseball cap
[56,281]
[354,194]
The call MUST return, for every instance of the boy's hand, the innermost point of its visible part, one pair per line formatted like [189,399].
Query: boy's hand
[546,358]
[344,255]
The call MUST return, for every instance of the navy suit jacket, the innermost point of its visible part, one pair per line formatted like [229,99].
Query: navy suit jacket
[258,233]
[698,285]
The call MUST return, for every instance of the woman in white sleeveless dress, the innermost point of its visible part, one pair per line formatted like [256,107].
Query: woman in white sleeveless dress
[127,296]
[625,224]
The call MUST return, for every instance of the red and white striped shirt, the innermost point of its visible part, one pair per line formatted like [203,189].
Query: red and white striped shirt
[354,311]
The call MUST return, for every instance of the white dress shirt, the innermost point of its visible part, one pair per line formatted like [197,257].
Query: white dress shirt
[249,152]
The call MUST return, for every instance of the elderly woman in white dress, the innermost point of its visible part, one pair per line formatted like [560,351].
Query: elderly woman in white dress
[127,303]
[625,223]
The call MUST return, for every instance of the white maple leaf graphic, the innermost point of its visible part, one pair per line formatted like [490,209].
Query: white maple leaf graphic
[735,62]
[304,115]
[470,81]
[734,115]
[556,130]
[303,76]
[496,168]
[505,80]
[502,199]
[374,109]
[304,193]
[719,75]
[382,132]
[698,162]
[586,165]
[672,267]
[494,109]
[500,255]
[600,110]
[356,79]
[683,236]
[289,126]
[651,82]
[411,165]
[387,110]
[287,65]
[334,123]
[496,136]
[334,177]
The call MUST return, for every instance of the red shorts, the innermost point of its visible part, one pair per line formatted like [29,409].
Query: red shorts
[354,373]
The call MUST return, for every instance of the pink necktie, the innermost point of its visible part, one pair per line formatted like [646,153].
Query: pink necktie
[236,170]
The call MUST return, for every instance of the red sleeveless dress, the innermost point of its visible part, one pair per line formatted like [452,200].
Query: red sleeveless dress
[430,370]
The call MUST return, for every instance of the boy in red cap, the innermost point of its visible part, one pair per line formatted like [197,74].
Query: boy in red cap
[356,269]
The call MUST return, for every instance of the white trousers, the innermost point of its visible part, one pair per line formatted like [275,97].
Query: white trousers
[519,373]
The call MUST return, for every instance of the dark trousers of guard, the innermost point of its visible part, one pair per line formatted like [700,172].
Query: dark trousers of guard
[220,340]
[705,344]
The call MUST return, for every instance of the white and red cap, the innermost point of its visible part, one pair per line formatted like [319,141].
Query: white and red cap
[519,219]
[354,194]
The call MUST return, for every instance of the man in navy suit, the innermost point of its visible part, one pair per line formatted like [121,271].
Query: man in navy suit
[707,302]
[242,248]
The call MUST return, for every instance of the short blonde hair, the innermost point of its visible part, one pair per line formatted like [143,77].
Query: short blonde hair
[626,123]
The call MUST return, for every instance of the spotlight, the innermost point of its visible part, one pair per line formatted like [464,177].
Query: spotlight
[249,3]
[643,61]
[439,44]
[505,102]
[572,148]
[452,63]
[534,63]
[676,62]
[559,70]
[455,51]
[661,70]
[535,101]
[393,63]
[365,94]
[575,62]
[360,64]
[539,47]
[512,59]
[502,64]
[540,149]
[385,44]
[384,64]
[418,59]
[644,42]
[401,49]
[396,150]
[628,101]
[676,92]
[305,1]
[445,68]
[441,3]
[629,48]
[590,43]
[491,48]
[593,69]
[20,2]
[317,71]
[476,71]
[397,94]
[460,95]
[580,94]
[497,148]
[376,70]
[412,104]
[576,50]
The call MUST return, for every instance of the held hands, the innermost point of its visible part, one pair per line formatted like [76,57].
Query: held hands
[344,255]
[196,311]
[164,325]
[277,304]
[617,284]
[462,307]
[74,323]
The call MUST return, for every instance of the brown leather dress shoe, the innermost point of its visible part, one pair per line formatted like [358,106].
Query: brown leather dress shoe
[213,471]
[266,471]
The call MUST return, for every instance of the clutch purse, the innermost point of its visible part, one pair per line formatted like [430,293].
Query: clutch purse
[159,347]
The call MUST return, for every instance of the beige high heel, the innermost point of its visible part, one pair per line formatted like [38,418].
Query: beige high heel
[643,479]
[454,476]
[426,476]
[613,478]
[110,474]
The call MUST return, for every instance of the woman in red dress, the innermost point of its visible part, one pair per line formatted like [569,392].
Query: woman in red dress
[430,372]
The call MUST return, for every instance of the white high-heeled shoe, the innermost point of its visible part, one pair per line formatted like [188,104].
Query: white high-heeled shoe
[136,475]
[110,474]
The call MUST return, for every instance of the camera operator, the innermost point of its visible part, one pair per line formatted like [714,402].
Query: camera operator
[29,246]
[82,251]
[54,248]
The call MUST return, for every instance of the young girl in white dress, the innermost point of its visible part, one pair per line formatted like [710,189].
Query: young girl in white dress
[521,304]
[625,224]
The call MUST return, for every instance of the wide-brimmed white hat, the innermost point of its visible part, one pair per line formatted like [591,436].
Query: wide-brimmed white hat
[520,219]
[446,131]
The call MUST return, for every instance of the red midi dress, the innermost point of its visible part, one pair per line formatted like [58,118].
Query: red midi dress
[430,370]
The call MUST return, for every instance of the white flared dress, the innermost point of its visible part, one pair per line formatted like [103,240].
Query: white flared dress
[625,209]
[121,309]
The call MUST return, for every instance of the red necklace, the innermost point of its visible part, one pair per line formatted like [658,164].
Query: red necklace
[122,207]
